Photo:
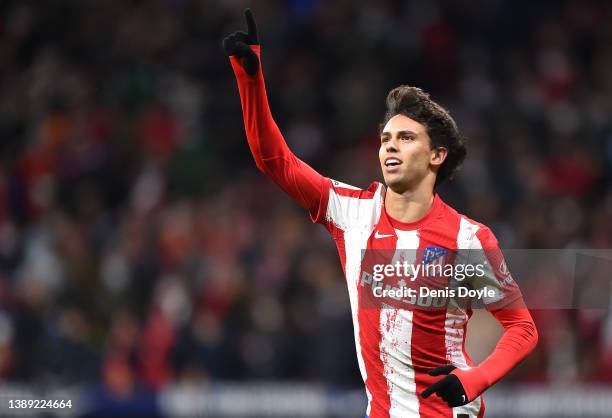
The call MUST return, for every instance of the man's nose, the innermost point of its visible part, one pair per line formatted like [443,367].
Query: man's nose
[390,146]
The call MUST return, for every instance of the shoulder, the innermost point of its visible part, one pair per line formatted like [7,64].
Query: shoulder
[350,206]
[346,190]
[471,233]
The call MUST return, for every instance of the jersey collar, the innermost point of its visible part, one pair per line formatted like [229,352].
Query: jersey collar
[432,213]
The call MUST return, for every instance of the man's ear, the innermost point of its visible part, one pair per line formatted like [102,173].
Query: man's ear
[438,155]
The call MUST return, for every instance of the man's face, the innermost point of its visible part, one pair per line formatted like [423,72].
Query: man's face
[405,154]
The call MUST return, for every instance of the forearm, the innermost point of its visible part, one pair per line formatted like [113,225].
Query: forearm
[518,340]
[263,135]
[270,151]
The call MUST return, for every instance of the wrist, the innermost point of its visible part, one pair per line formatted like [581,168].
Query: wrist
[238,67]
[473,380]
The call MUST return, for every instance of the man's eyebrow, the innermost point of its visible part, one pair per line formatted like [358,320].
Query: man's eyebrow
[387,133]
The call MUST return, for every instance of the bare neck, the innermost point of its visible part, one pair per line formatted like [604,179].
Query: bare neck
[409,206]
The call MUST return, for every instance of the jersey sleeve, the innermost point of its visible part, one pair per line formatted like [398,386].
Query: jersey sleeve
[269,149]
[519,338]
[520,335]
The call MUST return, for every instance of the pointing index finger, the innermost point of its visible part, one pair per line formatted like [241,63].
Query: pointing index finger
[252,27]
[441,370]
[436,386]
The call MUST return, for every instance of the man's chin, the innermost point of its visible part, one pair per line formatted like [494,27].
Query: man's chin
[397,185]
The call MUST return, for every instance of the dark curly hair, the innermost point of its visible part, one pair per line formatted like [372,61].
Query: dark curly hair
[441,128]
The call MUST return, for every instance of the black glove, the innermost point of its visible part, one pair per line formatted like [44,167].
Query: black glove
[237,44]
[448,388]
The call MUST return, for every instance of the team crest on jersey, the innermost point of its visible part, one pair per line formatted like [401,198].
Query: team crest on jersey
[434,255]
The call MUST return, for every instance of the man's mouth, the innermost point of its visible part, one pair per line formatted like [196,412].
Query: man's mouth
[392,162]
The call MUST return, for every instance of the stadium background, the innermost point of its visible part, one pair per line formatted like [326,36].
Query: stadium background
[145,264]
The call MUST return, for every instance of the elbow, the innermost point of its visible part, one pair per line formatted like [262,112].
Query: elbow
[523,328]
[530,335]
[275,167]
[261,166]
[534,335]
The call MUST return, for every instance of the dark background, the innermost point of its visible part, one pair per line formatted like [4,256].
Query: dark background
[140,247]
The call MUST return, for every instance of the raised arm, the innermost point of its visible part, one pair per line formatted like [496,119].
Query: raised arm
[270,151]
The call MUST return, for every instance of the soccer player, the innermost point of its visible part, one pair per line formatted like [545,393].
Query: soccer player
[405,353]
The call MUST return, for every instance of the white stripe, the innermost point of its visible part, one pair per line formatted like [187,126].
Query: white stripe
[395,342]
[357,230]
[467,239]
[456,318]
[466,235]
[349,213]
[395,354]
[472,408]
[454,324]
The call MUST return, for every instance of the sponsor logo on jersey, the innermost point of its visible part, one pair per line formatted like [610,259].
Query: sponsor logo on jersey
[503,268]
[505,272]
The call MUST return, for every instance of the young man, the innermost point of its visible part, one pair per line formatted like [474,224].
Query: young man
[408,352]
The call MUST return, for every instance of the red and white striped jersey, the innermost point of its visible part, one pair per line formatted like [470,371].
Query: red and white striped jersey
[395,347]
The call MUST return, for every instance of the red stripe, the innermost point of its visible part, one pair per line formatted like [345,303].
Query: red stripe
[428,330]
[481,413]
[428,351]
[338,235]
[318,217]
[369,336]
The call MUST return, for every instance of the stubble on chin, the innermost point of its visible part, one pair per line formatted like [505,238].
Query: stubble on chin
[397,185]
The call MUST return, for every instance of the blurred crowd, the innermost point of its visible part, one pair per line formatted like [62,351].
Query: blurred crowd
[139,246]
